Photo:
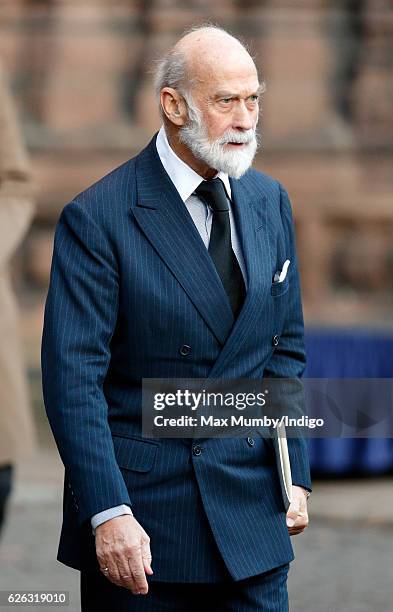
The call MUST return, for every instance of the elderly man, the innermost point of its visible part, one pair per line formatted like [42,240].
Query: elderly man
[165,268]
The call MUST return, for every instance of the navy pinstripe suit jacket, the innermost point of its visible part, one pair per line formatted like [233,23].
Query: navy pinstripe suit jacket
[131,282]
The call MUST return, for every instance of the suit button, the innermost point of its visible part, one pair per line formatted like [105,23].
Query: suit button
[196,450]
[275,340]
[250,441]
[185,349]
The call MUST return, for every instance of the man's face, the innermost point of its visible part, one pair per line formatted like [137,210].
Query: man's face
[221,130]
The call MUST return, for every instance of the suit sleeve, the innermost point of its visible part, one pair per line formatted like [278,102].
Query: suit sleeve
[289,358]
[80,317]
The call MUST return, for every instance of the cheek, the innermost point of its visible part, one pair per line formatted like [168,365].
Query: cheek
[218,125]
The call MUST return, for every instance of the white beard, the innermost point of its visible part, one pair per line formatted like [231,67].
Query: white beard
[233,162]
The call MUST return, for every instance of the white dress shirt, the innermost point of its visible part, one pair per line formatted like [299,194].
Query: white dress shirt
[185,180]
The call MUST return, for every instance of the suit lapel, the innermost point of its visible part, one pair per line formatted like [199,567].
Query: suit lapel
[167,224]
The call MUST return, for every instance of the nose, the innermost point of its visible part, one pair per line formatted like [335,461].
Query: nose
[243,118]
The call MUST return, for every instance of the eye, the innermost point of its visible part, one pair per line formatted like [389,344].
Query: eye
[226,100]
[254,98]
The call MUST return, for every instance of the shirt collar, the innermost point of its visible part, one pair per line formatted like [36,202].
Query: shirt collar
[184,178]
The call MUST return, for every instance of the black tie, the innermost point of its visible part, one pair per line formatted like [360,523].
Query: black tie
[220,246]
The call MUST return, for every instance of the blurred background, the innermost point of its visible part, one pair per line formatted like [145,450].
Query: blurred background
[77,87]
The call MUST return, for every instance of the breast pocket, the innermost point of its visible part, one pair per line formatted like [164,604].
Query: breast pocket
[134,454]
[278,289]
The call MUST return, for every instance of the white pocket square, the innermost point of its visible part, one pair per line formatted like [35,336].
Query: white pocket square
[280,276]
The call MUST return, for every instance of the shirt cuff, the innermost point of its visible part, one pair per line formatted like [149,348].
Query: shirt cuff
[108,514]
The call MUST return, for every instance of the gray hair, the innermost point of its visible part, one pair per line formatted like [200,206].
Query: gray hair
[172,70]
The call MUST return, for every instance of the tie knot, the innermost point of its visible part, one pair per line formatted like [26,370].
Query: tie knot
[213,192]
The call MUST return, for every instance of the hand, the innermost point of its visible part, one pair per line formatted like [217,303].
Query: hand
[297,516]
[123,547]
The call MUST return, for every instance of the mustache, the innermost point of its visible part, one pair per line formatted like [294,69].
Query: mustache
[238,137]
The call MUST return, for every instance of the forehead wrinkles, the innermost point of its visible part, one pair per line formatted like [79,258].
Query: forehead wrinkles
[218,63]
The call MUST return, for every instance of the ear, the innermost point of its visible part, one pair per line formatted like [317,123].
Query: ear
[173,106]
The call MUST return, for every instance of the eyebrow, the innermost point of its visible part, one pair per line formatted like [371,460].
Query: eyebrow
[228,94]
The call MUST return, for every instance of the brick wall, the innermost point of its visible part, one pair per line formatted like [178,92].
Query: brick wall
[80,76]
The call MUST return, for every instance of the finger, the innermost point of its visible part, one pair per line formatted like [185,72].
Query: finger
[113,573]
[139,577]
[107,564]
[302,519]
[137,571]
[146,557]
[295,532]
[123,568]
[126,577]
[300,525]
[293,512]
